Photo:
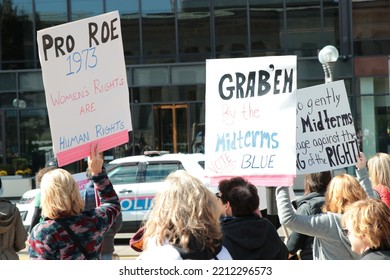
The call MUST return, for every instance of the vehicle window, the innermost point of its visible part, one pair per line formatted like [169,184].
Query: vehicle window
[158,171]
[201,163]
[123,174]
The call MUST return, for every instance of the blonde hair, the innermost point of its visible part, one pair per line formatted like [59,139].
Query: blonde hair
[60,195]
[343,190]
[182,210]
[379,170]
[370,219]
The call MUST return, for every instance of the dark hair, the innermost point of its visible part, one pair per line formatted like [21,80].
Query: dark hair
[241,194]
[317,182]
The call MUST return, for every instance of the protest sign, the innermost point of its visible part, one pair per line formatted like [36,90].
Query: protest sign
[85,84]
[81,180]
[326,136]
[251,119]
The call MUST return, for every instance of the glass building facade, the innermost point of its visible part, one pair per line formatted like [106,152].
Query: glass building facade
[166,43]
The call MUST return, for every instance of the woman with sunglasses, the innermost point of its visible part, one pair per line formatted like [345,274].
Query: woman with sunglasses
[330,242]
[367,225]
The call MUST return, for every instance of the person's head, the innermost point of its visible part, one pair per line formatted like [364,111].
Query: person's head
[343,190]
[379,169]
[317,182]
[238,197]
[367,224]
[60,195]
[183,209]
[41,172]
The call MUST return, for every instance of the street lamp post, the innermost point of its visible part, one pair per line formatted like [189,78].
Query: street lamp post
[328,56]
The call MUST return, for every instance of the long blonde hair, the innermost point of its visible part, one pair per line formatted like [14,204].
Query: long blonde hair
[343,190]
[370,219]
[60,195]
[183,209]
[379,170]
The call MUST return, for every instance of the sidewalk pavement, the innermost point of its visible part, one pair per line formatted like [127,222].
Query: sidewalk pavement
[123,249]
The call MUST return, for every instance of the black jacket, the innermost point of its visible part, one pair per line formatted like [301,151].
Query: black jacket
[252,238]
[372,254]
[309,204]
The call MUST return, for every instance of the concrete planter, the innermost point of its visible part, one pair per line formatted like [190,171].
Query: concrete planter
[15,186]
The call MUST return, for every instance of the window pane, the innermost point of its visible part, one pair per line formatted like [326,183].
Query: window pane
[373,114]
[129,13]
[35,137]
[11,135]
[266,27]
[169,94]
[197,122]
[231,38]
[34,99]
[30,81]
[143,129]
[6,99]
[371,20]
[157,172]
[50,13]
[194,32]
[304,36]
[158,22]
[370,27]
[7,81]
[331,30]
[86,8]
[17,43]
[188,74]
[125,174]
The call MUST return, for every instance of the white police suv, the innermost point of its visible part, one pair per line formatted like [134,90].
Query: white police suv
[136,180]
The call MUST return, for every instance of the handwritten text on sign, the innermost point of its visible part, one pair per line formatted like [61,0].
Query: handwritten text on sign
[85,84]
[326,137]
[250,111]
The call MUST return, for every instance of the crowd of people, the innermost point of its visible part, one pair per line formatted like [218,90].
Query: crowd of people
[343,217]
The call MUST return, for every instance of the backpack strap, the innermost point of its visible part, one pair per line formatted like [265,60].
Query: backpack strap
[73,236]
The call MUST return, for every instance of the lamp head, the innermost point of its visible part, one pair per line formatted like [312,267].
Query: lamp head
[328,54]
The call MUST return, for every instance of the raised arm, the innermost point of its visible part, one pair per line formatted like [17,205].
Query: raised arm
[313,225]
[362,174]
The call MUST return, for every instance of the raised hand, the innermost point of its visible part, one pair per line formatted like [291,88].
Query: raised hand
[95,160]
[361,161]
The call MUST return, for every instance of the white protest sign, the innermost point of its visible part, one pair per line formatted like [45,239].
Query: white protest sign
[81,179]
[86,87]
[326,136]
[250,119]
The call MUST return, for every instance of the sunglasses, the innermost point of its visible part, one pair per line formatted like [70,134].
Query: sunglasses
[218,195]
[346,231]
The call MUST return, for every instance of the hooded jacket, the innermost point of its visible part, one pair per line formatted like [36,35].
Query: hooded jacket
[376,254]
[252,238]
[309,204]
[13,235]
[168,251]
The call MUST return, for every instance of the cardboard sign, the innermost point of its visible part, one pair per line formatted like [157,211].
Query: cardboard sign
[250,119]
[326,136]
[86,87]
